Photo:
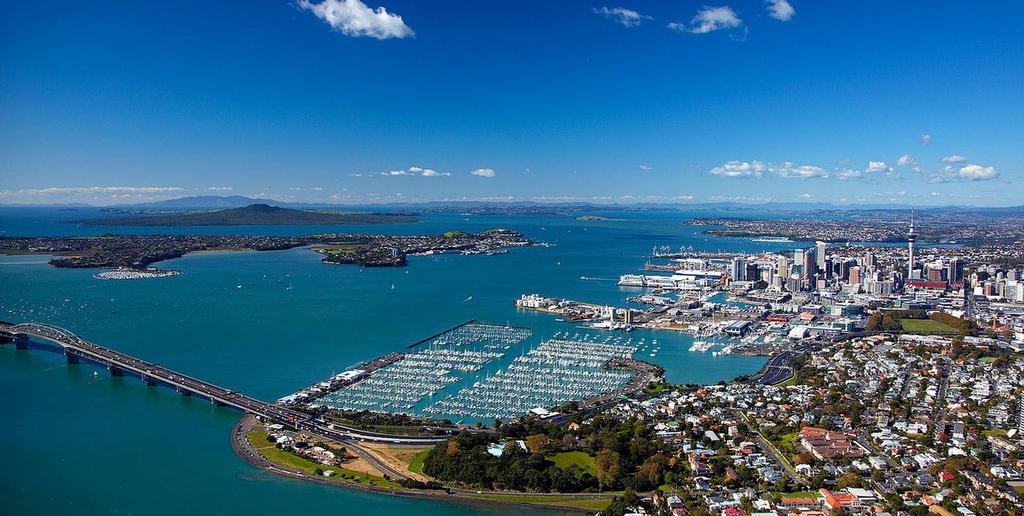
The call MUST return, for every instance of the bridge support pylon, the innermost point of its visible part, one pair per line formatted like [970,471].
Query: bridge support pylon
[183,392]
[115,371]
[150,381]
[72,358]
[21,341]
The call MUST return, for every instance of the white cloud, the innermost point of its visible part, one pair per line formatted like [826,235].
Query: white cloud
[780,10]
[627,17]
[787,170]
[904,160]
[740,169]
[877,166]
[645,168]
[849,173]
[925,139]
[220,188]
[95,190]
[354,18]
[806,196]
[956,158]
[483,172]
[89,194]
[790,171]
[710,19]
[977,173]
[416,171]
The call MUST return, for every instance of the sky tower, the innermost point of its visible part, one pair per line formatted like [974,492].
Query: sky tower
[911,237]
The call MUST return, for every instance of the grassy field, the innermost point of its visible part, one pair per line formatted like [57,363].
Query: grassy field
[798,494]
[258,439]
[565,459]
[416,464]
[927,327]
[594,504]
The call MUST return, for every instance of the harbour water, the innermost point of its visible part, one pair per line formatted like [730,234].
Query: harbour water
[267,324]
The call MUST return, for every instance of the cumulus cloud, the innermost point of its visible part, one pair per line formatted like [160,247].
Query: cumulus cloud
[645,168]
[790,171]
[780,10]
[904,160]
[806,196]
[848,174]
[977,173]
[354,18]
[956,158]
[626,17]
[219,188]
[710,19]
[787,170]
[925,139]
[415,171]
[877,166]
[483,172]
[95,189]
[740,169]
[89,194]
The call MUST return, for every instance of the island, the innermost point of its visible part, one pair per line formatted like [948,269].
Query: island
[255,215]
[591,217]
[140,251]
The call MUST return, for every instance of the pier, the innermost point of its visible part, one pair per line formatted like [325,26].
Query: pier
[77,349]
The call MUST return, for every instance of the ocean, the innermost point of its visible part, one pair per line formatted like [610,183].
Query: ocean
[268,323]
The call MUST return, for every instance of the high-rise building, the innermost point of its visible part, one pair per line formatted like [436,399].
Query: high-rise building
[738,269]
[855,275]
[810,263]
[911,238]
[819,248]
[955,271]
[870,261]
[783,267]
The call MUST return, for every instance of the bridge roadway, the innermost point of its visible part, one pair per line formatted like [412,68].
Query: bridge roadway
[75,347]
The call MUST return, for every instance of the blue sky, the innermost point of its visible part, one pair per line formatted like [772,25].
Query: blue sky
[847,102]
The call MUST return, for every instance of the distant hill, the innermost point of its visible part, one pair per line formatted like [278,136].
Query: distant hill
[255,215]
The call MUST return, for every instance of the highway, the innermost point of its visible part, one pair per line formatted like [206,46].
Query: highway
[119,363]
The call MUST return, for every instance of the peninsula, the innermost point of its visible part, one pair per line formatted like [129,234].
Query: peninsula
[255,215]
[140,251]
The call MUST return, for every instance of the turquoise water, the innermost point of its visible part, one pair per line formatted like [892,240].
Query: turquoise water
[79,443]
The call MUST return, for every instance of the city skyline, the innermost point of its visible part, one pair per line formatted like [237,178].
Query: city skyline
[334,102]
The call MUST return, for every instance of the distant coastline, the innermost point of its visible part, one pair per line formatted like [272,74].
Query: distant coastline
[254,215]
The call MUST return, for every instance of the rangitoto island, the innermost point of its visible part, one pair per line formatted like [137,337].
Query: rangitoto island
[255,215]
[366,250]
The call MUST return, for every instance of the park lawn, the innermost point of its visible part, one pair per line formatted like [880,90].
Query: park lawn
[595,504]
[787,442]
[565,459]
[416,464]
[258,439]
[927,327]
[797,494]
[789,381]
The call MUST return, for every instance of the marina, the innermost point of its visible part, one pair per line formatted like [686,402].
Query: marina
[124,273]
[558,371]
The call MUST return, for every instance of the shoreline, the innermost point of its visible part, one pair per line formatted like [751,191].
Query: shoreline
[244,450]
